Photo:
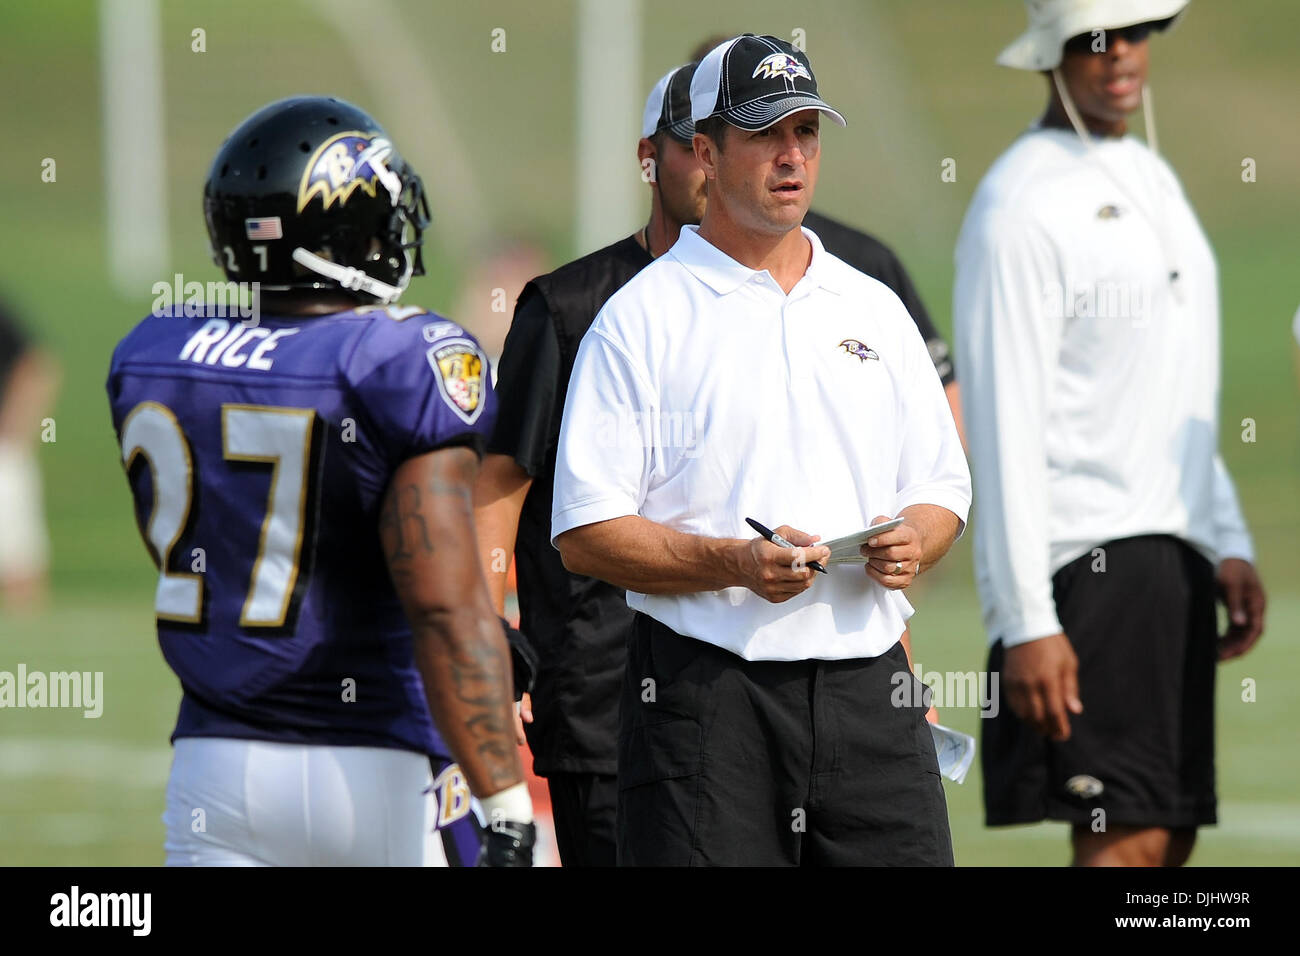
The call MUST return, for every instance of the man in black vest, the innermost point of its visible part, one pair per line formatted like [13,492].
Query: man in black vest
[578,624]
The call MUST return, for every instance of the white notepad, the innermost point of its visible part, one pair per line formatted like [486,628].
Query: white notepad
[955,750]
[847,550]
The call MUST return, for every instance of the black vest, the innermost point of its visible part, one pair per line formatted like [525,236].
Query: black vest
[574,293]
[578,624]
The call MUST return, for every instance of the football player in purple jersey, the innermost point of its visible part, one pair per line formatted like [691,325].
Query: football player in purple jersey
[302,476]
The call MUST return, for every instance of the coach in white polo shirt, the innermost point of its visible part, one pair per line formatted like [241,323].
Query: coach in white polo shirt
[748,373]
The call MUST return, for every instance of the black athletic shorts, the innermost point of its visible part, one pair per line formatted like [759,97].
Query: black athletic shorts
[1144,631]
[723,761]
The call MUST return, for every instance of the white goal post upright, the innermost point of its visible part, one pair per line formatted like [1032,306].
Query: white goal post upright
[134,147]
[608,190]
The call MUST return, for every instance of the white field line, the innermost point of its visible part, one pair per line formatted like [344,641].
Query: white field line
[104,761]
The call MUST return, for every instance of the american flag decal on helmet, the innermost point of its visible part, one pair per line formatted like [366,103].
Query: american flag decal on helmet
[267,228]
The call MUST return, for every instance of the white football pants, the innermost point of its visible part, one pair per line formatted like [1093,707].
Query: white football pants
[256,803]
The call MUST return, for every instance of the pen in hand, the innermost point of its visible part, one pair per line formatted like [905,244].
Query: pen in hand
[779,541]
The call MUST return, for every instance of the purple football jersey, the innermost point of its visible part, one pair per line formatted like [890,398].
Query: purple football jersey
[258,457]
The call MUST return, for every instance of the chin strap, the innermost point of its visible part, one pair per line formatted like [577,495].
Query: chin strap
[1068,102]
[346,276]
[1148,112]
[1149,118]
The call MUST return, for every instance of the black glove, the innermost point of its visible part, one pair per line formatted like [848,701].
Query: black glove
[523,660]
[506,843]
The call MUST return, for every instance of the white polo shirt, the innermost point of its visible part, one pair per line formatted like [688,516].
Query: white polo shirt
[703,395]
[1086,320]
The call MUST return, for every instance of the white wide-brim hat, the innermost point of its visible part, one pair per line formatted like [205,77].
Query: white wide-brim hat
[1052,22]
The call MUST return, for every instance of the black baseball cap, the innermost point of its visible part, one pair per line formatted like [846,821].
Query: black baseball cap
[752,82]
[668,108]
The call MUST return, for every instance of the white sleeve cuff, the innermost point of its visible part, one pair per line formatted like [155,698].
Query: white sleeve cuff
[590,512]
[1030,629]
[1236,544]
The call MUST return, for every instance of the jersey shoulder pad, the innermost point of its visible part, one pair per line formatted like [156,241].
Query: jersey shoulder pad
[395,333]
[418,348]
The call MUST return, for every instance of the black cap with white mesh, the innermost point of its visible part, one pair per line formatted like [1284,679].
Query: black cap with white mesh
[668,108]
[752,82]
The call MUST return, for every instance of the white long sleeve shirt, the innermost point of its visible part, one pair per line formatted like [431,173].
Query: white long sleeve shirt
[703,395]
[1086,321]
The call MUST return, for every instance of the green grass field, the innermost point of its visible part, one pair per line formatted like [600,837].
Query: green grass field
[917,83]
[77,790]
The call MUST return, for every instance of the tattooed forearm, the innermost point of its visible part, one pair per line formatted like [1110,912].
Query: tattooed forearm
[403,529]
[460,648]
[468,680]
[452,489]
[455,479]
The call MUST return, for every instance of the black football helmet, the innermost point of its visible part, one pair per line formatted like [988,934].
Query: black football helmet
[309,193]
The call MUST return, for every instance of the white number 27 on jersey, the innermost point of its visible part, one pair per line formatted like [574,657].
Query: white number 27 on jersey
[274,436]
